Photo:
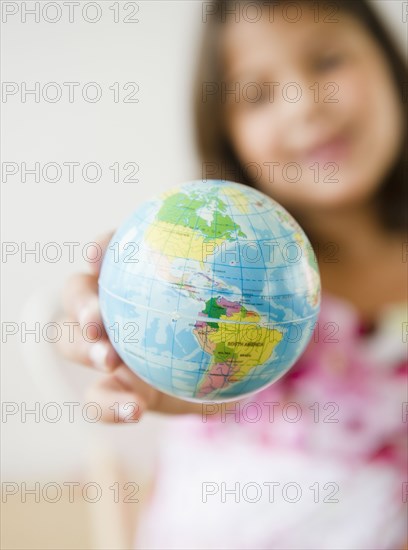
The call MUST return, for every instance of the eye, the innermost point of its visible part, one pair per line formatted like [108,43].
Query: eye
[329,62]
[261,98]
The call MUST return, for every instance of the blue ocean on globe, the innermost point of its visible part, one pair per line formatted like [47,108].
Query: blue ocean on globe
[210,291]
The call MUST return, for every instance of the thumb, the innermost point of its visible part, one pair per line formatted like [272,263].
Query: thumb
[122,396]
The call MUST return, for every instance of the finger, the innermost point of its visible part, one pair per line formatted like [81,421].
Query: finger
[80,301]
[151,399]
[118,401]
[102,243]
[82,289]
[90,344]
[124,397]
[76,346]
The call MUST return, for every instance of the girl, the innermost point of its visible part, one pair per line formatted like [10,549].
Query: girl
[318,88]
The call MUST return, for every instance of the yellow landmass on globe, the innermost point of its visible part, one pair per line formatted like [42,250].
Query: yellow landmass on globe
[177,241]
[238,198]
[250,343]
[202,335]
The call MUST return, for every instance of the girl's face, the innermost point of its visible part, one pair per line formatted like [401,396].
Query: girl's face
[315,118]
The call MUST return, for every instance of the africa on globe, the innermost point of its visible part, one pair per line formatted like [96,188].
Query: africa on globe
[210,291]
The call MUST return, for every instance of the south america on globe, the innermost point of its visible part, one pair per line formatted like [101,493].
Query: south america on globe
[210,291]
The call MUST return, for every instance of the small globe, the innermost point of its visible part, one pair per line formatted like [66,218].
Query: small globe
[210,292]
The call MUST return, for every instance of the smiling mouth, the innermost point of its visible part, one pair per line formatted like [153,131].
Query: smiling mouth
[331,150]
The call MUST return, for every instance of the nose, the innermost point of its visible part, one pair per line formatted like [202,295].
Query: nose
[300,107]
[299,112]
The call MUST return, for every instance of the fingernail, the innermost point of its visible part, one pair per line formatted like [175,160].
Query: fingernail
[129,412]
[98,353]
[89,311]
[112,358]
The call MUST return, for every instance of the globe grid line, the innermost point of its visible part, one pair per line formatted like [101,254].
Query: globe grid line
[202,370]
[250,376]
[203,356]
[264,377]
[213,263]
[212,319]
[285,345]
[179,294]
[178,308]
[260,214]
[170,233]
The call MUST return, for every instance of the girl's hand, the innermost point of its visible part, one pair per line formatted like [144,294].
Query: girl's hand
[119,384]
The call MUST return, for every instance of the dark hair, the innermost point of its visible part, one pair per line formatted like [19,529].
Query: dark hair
[214,147]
